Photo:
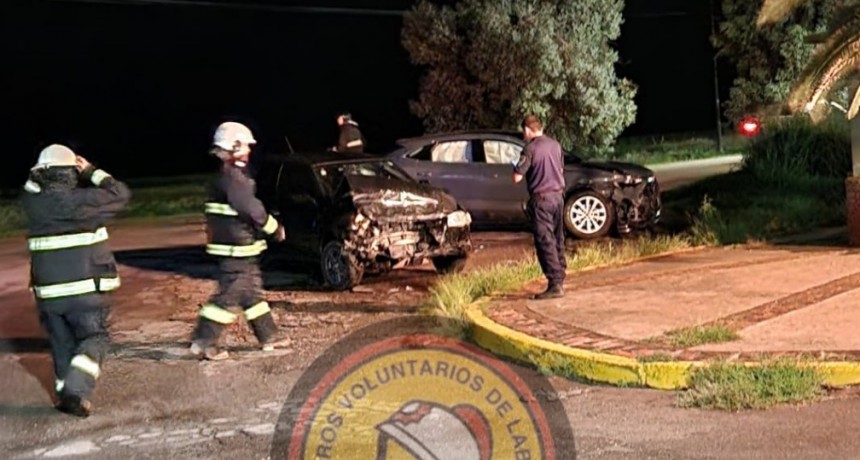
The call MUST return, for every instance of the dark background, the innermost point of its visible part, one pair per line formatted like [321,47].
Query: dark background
[138,88]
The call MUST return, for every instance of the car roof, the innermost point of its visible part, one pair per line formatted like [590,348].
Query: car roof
[323,158]
[455,135]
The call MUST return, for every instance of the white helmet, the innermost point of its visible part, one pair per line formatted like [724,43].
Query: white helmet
[231,135]
[55,155]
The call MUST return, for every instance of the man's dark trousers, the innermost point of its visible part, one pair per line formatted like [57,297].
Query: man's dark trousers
[548,227]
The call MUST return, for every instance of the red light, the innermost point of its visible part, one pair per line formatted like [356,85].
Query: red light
[749,127]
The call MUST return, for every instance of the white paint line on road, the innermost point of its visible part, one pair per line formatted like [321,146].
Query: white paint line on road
[72,448]
[260,430]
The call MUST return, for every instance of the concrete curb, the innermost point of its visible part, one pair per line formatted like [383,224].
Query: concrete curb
[614,369]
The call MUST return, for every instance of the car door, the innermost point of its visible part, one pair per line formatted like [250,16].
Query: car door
[299,205]
[451,165]
[505,199]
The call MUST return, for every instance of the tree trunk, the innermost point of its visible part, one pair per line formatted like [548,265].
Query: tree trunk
[852,186]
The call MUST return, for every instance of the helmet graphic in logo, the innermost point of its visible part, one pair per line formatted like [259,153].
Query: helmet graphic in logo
[430,431]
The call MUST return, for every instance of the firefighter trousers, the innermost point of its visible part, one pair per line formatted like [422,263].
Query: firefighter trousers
[240,284]
[79,343]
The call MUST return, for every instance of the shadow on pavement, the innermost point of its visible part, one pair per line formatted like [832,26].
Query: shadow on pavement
[339,307]
[280,273]
[192,261]
[7,410]
[24,345]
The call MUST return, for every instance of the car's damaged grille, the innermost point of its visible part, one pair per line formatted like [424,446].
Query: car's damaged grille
[405,240]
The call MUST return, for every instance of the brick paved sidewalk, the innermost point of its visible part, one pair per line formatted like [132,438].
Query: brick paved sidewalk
[780,301]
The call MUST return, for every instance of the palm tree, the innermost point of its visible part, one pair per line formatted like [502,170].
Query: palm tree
[837,55]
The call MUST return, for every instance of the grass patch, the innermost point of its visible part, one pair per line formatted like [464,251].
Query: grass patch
[656,358]
[735,387]
[792,180]
[738,207]
[699,335]
[667,149]
[150,198]
[452,294]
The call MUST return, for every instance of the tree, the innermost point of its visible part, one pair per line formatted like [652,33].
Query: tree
[489,62]
[836,57]
[768,60]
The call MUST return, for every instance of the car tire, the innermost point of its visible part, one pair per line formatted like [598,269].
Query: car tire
[449,264]
[588,215]
[340,270]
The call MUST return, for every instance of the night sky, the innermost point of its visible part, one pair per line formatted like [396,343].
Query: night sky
[139,89]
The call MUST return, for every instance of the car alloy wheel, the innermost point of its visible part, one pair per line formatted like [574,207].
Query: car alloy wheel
[339,269]
[587,215]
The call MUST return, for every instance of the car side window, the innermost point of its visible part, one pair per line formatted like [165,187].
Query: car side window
[298,180]
[452,152]
[501,152]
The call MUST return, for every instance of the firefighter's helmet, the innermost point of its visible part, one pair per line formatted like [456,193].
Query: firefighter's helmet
[55,155]
[231,136]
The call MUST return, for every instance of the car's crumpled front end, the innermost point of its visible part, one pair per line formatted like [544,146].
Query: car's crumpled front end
[397,223]
[637,201]
[633,191]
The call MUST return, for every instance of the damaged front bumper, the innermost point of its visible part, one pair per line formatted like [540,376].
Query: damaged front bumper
[638,203]
[399,240]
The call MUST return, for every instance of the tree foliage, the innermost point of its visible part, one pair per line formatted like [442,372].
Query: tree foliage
[836,56]
[770,59]
[489,62]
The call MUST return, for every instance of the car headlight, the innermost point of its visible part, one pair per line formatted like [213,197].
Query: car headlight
[627,179]
[459,219]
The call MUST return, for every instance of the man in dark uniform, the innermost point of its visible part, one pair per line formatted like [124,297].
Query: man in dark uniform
[542,165]
[236,221]
[72,269]
[351,139]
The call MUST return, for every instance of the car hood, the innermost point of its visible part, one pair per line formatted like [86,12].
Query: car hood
[627,169]
[382,198]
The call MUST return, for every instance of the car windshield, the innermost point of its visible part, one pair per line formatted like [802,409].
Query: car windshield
[332,175]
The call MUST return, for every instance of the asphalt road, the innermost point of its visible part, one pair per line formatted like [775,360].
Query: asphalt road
[674,175]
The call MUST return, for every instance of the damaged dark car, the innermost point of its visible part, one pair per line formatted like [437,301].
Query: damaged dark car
[355,214]
[476,167]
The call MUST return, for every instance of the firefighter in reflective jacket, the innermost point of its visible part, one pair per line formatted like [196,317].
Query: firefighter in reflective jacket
[236,221]
[72,268]
[350,139]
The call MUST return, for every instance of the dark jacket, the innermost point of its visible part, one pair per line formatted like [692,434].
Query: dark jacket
[67,240]
[236,220]
[351,139]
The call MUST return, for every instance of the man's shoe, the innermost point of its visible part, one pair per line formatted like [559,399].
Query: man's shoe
[210,353]
[552,292]
[75,405]
[276,342]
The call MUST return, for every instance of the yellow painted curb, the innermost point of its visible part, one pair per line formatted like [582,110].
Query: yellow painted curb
[614,369]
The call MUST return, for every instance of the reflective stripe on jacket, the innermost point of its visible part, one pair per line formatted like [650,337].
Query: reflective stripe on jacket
[65,265]
[236,220]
